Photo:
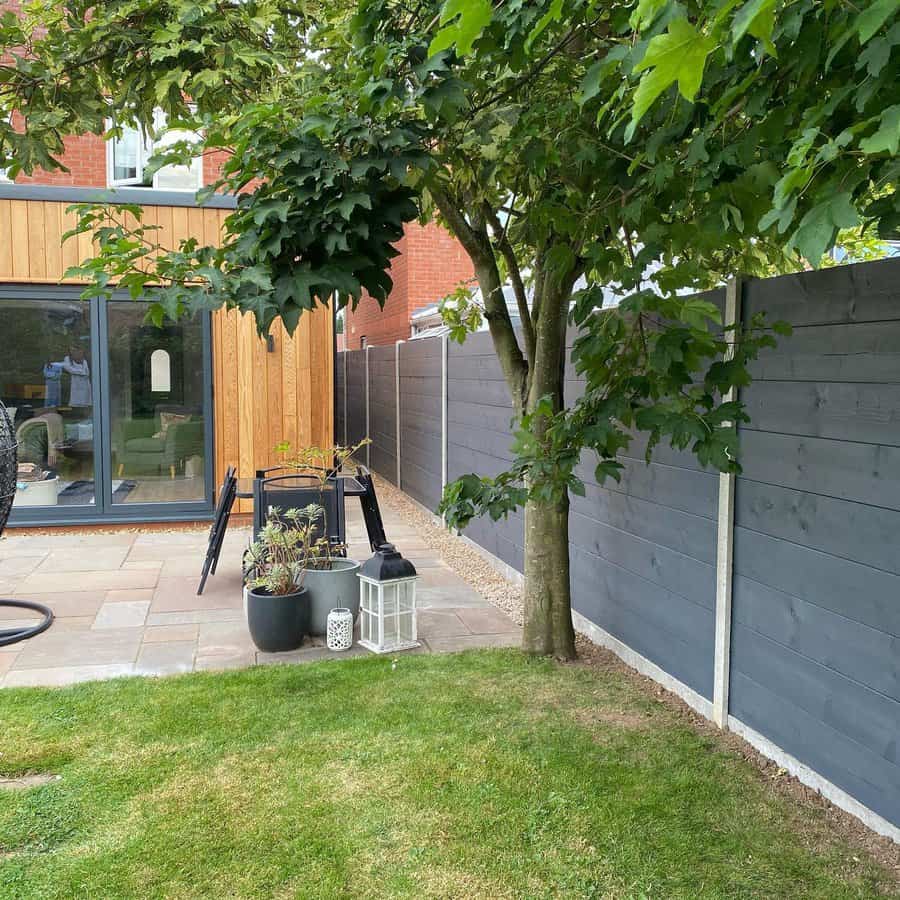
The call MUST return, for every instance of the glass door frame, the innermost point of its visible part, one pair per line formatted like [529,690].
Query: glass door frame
[103,510]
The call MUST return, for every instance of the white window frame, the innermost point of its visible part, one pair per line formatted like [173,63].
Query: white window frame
[146,148]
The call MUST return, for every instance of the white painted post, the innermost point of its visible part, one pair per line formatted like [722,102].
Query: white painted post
[725,545]
[444,379]
[345,354]
[368,446]
[397,403]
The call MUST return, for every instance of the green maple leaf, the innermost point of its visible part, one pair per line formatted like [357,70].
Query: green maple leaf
[679,55]
[819,227]
[462,21]
[888,135]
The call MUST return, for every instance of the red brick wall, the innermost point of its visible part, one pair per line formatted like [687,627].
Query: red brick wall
[85,157]
[431,265]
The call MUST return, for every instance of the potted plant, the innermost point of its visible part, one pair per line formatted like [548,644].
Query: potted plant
[330,577]
[331,582]
[277,601]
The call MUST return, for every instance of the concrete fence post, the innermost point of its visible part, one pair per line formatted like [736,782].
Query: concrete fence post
[368,392]
[725,542]
[397,405]
[444,436]
[345,354]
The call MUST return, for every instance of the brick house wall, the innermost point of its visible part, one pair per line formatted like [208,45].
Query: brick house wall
[431,265]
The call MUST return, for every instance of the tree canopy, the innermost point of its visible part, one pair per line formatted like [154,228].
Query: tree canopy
[656,146]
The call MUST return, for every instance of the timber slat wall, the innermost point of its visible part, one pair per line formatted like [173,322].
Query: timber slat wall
[815,640]
[260,398]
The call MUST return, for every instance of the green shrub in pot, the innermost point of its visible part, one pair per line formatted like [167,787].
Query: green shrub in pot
[277,600]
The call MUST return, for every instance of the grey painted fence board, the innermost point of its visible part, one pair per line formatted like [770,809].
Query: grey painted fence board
[868,473]
[864,293]
[474,415]
[689,491]
[857,651]
[628,607]
[680,531]
[855,531]
[843,761]
[859,412]
[866,352]
[854,710]
[486,393]
[683,575]
[850,589]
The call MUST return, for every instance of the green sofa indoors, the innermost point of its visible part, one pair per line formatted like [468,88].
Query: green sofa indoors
[159,444]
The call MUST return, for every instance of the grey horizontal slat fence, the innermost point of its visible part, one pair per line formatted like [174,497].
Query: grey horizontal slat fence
[816,618]
[814,671]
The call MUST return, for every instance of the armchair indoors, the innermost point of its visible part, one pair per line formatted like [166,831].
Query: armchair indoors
[154,445]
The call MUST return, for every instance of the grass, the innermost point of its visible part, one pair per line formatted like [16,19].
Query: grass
[485,774]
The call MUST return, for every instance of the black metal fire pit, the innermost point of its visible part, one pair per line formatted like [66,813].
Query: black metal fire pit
[8,471]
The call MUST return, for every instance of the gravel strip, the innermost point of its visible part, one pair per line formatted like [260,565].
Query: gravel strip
[462,558]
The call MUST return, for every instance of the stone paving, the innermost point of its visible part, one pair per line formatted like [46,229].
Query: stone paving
[126,604]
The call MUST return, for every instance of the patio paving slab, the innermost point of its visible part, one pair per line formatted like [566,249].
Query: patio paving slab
[473,642]
[126,614]
[168,658]
[56,648]
[488,620]
[90,580]
[222,661]
[63,675]
[158,633]
[63,604]
[81,561]
[127,604]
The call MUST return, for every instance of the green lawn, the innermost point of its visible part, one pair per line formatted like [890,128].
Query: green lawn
[480,775]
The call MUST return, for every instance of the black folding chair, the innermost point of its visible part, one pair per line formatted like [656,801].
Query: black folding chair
[224,506]
[297,491]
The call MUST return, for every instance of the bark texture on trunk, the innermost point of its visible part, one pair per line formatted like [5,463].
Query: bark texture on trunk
[548,614]
[548,610]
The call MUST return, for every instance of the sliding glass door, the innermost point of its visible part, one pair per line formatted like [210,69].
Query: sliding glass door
[157,415]
[112,415]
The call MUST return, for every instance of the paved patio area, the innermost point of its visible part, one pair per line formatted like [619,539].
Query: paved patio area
[126,604]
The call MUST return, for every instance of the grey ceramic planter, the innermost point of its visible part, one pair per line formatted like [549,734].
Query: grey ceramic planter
[330,588]
[277,622]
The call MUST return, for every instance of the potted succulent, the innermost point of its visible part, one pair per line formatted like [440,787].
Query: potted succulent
[277,601]
[329,577]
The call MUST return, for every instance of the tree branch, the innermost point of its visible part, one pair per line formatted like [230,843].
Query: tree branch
[477,244]
[515,276]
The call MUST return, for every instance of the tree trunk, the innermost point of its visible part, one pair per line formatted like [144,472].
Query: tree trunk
[548,612]
[548,607]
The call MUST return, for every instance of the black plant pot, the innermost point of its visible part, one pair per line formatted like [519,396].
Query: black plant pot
[277,622]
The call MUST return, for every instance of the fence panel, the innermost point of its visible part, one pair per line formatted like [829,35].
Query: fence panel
[420,420]
[816,637]
[383,412]
[479,412]
[356,396]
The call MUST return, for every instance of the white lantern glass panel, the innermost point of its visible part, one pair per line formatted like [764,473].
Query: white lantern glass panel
[388,614]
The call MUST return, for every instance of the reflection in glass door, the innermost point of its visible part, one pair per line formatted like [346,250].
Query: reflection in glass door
[47,381]
[156,394]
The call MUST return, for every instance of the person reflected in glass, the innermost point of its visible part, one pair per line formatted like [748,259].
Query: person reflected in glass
[79,371]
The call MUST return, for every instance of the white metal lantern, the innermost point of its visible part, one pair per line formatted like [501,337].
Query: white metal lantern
[387,602]
[339,629]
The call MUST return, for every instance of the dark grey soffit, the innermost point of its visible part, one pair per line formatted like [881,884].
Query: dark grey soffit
[142,196]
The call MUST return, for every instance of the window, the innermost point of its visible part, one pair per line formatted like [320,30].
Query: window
[128,155]
[363,342]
